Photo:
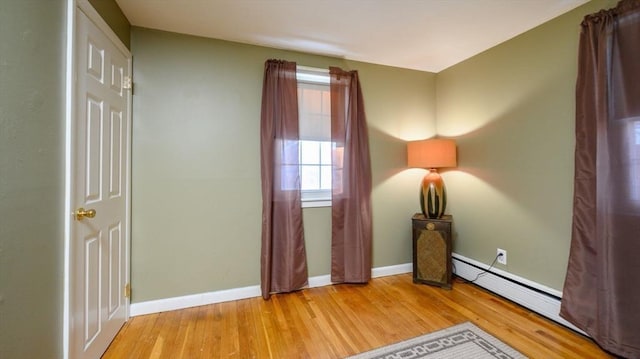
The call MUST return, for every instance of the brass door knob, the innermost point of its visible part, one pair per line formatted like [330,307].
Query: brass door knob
[82,213]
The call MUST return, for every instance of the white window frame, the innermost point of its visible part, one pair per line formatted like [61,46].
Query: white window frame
[315,76]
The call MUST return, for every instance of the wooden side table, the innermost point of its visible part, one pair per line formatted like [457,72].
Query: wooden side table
[432,250]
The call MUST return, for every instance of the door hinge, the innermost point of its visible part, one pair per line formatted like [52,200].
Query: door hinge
[127,291]
[127,83]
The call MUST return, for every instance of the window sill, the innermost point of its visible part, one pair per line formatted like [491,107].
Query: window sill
[316,203]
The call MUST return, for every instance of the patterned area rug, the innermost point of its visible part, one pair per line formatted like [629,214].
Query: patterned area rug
[463,341]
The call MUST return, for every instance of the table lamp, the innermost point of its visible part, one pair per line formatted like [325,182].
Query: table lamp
[432,154]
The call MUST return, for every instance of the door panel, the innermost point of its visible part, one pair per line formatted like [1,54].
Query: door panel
[115,155]
[93,148]
[115,276]
[92,280]
[99,243]
[117,77]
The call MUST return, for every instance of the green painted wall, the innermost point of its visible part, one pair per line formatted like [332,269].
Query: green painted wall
[196,172]
[196,193]
[115,18]
[32,63]
[512,111]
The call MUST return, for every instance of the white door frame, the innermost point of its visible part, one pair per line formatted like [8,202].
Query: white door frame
[70,142]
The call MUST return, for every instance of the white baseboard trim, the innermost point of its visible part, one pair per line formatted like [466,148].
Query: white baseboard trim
[392,270]
[195,300]
[534,296]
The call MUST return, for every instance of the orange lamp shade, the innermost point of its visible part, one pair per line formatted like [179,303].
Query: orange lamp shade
[433,153]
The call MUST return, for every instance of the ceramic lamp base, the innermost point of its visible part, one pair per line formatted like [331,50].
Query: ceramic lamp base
[433,196]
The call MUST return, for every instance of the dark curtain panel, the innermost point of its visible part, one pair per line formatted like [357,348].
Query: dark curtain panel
[602,288]
[283,258]
[351,233]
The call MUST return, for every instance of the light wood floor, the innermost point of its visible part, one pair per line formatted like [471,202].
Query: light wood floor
[341,320]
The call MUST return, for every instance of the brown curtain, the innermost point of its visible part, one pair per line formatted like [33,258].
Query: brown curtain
[283,256]
[602,288]
[351,234]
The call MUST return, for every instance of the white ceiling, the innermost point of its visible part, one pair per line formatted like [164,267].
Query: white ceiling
[428,35]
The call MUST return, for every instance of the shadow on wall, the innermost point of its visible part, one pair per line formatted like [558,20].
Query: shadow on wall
[525,154]
[514,186]
[388,155]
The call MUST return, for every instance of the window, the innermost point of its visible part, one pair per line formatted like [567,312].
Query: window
[314,106]
[634,158]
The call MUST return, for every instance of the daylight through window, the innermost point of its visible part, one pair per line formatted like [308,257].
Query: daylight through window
[634,158]
[314,106]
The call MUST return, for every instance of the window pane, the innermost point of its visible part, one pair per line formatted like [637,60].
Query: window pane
[289,150]
[309,152]
[325,177]
[310,177]
[289,179]
[325,153]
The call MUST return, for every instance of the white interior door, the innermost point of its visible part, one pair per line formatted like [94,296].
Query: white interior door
[99,261]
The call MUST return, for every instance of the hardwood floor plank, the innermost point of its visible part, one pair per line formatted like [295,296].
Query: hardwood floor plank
[331,332]
[169,333]
[195,348]
[230,341]
[341,320]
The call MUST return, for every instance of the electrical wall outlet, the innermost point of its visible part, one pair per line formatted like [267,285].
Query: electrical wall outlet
[502,256]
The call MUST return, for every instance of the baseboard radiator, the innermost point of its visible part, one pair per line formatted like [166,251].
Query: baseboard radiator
[531,295]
